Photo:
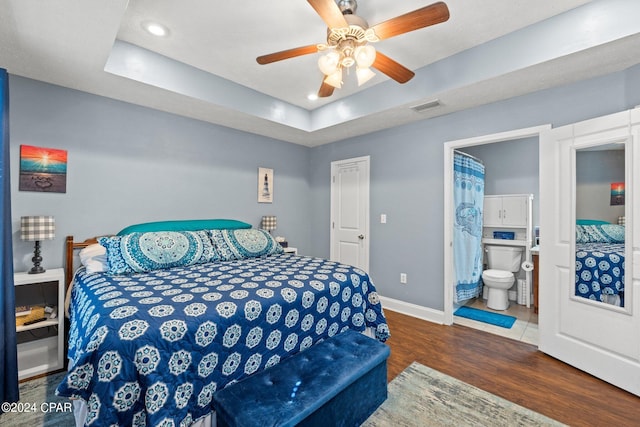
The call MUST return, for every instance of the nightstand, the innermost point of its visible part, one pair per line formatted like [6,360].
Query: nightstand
[41,345]
[291,250]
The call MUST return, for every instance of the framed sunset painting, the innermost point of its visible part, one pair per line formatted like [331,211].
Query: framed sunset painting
[43,169]
[617,193]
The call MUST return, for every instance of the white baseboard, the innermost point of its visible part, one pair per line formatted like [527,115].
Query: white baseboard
[414,310]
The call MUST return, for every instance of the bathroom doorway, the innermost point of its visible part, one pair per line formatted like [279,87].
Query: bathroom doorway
[511,167]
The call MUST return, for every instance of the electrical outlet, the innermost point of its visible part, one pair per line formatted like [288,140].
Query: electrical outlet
[403,277]
[383,218]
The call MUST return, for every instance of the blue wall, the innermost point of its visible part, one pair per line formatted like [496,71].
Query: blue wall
[129,164]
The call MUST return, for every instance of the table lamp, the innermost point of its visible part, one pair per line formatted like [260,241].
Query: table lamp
[37,228]
[269,223]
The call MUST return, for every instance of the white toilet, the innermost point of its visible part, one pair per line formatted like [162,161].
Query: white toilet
[503,261]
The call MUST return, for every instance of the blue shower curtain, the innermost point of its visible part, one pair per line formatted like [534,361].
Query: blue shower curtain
[8,357]
[468,197]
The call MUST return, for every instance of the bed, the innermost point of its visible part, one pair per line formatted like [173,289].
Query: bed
[156,334]
[600,262]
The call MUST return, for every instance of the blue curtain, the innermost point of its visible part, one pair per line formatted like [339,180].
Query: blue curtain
[8,357]
[468,197]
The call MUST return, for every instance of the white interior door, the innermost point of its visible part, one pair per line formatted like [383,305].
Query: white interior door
[599,338]
[350,212]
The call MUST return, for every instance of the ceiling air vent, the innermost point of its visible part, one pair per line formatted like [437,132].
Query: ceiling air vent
[427,105]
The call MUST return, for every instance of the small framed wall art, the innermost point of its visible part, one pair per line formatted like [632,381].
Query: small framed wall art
[617,193]
[43,169]
[265,185]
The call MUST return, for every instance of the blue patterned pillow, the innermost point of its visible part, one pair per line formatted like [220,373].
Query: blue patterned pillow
[142,252]
[600,233]
[241,244]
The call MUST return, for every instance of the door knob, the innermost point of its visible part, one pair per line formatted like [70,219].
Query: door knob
[361,236]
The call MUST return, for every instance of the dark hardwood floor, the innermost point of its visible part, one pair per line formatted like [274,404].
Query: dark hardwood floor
[510,369]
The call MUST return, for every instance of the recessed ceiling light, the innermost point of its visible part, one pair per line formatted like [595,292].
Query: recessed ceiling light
[155,28]
[312,96]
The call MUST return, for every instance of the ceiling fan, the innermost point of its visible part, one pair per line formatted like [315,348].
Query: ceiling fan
[348,38]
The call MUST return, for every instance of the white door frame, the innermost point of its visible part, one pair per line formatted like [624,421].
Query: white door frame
[365,242]
[449,148]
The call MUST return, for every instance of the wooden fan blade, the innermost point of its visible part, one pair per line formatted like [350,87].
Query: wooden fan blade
[420,18]
[325,91]
[286,54]
[329,12]
[391,68]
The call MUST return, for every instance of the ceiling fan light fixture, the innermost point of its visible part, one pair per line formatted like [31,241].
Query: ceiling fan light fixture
[347,61]
[348,36]
[364,75]
[334,79]
[329,62]
[365,56]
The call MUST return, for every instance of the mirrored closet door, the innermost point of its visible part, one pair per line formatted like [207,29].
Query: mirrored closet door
[589,316]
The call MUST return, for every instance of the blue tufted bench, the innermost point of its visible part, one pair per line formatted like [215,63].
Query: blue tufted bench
[338,382]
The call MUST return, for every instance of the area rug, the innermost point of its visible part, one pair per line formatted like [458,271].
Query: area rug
[486,316]
[421,396]
[39,405]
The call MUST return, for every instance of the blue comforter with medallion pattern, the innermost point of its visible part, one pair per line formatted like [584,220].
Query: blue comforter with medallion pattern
[151,348]
[600,272]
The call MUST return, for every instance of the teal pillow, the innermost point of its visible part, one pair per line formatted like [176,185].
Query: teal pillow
[185,225]
[600,233]
[242,244]
[591,222]
[143,252]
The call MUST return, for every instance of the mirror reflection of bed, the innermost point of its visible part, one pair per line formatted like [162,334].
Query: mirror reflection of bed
[600,223]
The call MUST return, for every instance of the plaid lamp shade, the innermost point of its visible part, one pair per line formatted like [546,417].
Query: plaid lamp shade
[269,222]
[34,228]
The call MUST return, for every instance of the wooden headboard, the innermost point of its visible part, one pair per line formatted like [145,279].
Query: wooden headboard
[70,247]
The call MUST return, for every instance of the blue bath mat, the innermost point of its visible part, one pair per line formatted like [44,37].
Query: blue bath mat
[486,316]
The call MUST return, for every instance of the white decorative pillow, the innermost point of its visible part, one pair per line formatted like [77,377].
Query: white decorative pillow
[94,258]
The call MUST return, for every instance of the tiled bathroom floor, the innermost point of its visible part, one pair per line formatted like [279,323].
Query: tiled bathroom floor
[524,329]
